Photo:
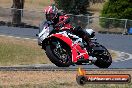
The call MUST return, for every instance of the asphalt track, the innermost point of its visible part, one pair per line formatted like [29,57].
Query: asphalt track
[122,43]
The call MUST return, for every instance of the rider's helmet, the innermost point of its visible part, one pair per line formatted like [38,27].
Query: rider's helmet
[51,12]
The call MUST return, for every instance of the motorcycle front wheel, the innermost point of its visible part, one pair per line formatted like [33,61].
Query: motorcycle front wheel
[59,53]
[104,58]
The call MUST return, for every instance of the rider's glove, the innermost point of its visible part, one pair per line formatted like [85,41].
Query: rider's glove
[59,25]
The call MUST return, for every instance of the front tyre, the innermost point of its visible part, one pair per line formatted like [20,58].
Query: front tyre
[104,58]
[59,53]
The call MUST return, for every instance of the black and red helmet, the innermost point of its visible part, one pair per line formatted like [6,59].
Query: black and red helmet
[51,12]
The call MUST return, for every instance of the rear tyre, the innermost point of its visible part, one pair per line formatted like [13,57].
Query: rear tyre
[59,55]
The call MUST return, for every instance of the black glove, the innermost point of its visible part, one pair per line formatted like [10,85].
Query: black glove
[59,25]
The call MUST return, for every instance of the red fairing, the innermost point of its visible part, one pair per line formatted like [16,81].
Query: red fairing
[75,48]
[82,52]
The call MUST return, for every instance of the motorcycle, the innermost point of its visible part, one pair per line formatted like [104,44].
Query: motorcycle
[64,48]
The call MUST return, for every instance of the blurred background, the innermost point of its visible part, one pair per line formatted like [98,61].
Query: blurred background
[85,13]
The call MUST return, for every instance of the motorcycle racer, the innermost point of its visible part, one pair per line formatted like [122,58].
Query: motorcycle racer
[58,19]
[61,21]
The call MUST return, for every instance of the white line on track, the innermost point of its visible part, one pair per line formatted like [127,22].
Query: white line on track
[18,37]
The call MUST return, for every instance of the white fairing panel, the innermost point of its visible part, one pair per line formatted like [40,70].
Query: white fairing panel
[44,33]
[90,31]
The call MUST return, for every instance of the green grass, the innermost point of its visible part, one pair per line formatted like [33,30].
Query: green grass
[18,53]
